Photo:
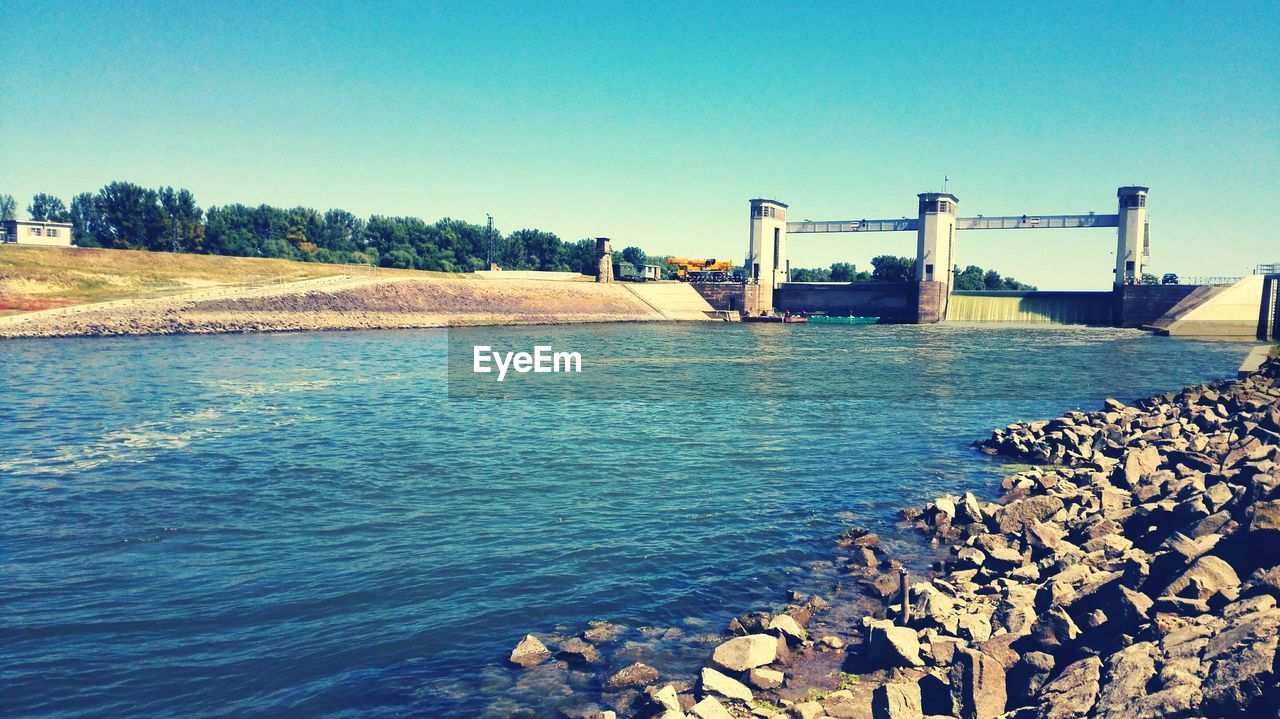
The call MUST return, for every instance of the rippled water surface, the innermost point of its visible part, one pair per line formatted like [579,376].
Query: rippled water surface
[321,525]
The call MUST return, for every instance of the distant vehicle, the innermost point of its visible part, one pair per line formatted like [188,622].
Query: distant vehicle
[1169,279]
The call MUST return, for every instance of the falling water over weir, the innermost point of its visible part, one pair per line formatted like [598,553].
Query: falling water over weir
[1063,308]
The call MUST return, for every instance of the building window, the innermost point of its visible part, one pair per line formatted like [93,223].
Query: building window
[942,206]
[53,232]
[777,248]
[37,231]
[928,273]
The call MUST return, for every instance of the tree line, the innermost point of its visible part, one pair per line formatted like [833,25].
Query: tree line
[891,268]
[123,215]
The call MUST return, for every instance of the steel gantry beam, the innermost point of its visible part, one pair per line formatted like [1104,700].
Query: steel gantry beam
[1029,222]
[1011,222]
[854,226]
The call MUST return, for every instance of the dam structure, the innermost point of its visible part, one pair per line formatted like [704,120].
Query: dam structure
[1234,307]
[929,297]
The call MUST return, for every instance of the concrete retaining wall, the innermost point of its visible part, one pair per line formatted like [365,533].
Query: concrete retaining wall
[727,296]
[892,301]
[1139,305]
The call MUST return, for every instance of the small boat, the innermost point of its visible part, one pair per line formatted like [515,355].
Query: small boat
[787,318]
[823,319]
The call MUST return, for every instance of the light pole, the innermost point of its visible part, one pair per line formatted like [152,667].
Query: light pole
[488,239]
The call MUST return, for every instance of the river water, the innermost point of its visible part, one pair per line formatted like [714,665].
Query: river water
[352,524]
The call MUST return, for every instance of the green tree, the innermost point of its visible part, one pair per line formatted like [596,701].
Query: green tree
[8,208]
[807,274]
[635,257]
[184,220]
[992,280]
[543,250]
[579,257]
[131,217]
[341,232]
[843,272]
[889,268]
[970,278]
[47,208]
[87,228]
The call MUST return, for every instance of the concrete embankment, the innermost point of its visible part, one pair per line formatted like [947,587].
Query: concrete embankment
[1231,311]
[348,303]
[1135,573]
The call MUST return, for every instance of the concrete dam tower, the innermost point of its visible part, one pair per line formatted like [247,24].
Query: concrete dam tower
[767,262]
[1132,248]
[935,243]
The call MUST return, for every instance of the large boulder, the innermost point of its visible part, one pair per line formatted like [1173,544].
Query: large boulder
[897,701]
[1054,629]
[710,708]
[1016,612]
[807,710]
[1145,681]
[1028,675]
[603,631]
[1138,465]
[713,682]
[666,698]
[751,623]
[977,685]
[529,652]
[1129,674]
[577,651]
[765,678]
[1073,693]
[1206,577]
[742,653]
[1242,661]
[634,675]
[786,626]
[852,703]
[890,646]
[1014,517]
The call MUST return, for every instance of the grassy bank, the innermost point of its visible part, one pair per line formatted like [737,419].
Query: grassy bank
[37,278]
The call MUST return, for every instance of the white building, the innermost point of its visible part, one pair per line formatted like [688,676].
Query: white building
[28,232]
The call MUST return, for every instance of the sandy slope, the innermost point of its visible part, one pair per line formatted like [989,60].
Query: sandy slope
[353,303]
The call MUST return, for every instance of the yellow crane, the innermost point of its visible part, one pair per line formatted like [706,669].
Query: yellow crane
[697,270]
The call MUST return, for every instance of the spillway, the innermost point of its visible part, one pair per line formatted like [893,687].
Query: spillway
[1063,308]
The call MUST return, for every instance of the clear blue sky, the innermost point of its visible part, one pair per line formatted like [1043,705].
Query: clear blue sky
[654,123]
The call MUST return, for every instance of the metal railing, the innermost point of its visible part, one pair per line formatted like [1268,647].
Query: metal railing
[1209,280]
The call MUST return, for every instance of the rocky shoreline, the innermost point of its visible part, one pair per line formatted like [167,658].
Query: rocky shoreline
[1134,573]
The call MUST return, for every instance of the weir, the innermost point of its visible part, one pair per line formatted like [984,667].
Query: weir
[1062,308]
